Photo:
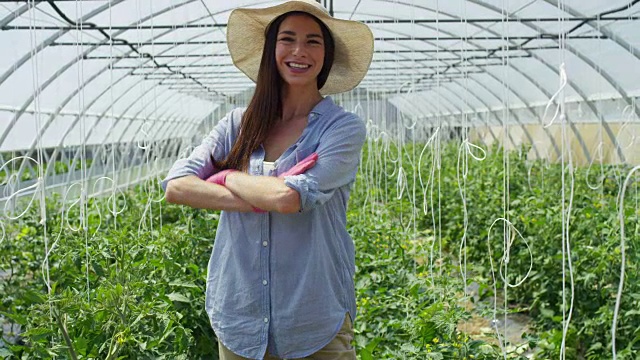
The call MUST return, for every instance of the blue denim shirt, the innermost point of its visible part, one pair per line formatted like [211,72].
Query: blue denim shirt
[285,280]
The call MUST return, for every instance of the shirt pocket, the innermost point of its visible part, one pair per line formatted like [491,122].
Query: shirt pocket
[295,157]
[303,152]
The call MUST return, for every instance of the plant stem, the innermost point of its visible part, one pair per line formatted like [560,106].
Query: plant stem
[65,334]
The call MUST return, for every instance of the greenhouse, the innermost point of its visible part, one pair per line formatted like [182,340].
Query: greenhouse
[492,209]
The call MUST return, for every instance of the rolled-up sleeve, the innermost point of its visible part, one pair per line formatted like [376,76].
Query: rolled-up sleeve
[338,159]
[200,161]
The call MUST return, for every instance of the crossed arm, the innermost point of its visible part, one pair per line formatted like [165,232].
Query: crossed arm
[242,192]
[197,193]
[237,191]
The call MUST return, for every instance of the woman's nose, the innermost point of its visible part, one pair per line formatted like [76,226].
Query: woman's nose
[299,49]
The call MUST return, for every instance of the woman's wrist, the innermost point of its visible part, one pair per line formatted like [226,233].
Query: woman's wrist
[231,178]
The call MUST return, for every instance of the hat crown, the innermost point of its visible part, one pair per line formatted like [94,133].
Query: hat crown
[314,3]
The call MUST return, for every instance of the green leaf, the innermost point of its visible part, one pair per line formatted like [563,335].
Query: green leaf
[174,296]
[367,352]
[34,297]
[37,333]
[183,284]
[80,344]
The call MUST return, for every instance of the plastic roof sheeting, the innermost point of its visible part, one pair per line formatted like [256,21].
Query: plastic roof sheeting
[63,83]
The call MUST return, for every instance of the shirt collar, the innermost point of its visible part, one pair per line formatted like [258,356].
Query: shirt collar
[322,107]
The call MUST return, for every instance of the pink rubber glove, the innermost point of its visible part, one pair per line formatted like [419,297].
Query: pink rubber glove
[301,167]
[220,177]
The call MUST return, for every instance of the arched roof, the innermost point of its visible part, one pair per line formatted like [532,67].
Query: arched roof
[99,72]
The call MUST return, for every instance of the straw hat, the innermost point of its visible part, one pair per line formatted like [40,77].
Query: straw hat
[353,42]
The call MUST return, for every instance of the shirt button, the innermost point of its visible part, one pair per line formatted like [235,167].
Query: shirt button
[266,320]
[264,243]
[264,282]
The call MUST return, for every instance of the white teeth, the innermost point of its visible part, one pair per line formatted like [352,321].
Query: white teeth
[298,66]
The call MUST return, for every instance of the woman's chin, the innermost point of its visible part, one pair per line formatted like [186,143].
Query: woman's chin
[301,84]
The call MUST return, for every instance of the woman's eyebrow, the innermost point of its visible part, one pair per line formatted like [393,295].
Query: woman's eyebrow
[293,33]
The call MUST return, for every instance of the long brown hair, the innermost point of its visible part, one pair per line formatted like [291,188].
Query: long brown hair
[265,107]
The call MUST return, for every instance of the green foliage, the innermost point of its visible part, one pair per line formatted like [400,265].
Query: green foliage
[129,294]
[535,207]
[402,312]
[137,289]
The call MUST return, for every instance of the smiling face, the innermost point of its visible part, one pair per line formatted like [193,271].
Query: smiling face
[300,51]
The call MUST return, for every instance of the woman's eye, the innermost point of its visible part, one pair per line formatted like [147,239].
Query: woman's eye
[287,39]
[315,42]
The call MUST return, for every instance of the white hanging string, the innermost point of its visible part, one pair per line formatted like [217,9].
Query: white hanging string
[506,173]
[628,118]
[599,151]
[494,322]
[66,219]
[462,175]
[142,138]
[462,170]
[567,204]
[39,188]
[84,198]
[553,99]
[12,194]
[150,185]
[401,178]
[621,215]
[413,128]
[600,123]
[543,164]
[114,175]
[366,168]
[438,156]
[77,202]
[504,261]
[426,186]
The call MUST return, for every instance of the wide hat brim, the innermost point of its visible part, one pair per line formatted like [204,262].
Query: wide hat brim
[353,42]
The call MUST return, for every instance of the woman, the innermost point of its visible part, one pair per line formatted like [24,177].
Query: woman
[280,277]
